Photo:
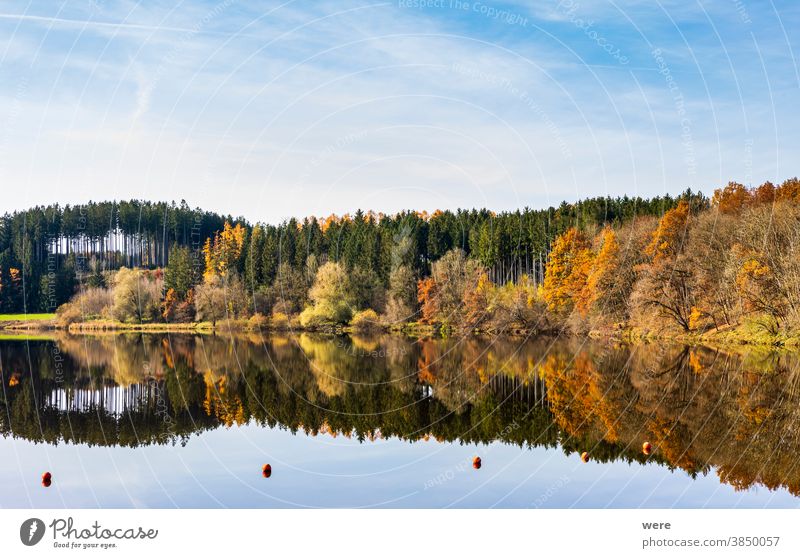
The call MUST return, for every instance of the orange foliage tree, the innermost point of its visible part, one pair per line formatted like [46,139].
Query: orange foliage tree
[733,198]
[789,190]
[667,283]
[669,235]
[478,299]
[426,296]
[567,271]
[603,276]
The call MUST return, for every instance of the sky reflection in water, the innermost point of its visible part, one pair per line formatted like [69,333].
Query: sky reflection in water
[386,421]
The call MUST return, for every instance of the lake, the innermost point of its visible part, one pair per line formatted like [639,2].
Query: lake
[144,420]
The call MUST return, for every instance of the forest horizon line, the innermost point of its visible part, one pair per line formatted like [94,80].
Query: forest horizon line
[689,263]
[425,213]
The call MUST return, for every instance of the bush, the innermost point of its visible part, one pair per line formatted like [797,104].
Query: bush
[312,318]
[279,321]
[91,304]
[184,312]
[94,303]
[365,320]
[67,314]
[257,322]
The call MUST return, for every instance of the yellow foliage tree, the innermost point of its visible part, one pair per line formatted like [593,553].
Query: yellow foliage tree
[567,271]
[224,251]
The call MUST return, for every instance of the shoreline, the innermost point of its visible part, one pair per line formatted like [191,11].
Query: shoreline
[739,336]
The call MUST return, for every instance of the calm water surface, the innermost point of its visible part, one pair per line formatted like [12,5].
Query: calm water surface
[188,421]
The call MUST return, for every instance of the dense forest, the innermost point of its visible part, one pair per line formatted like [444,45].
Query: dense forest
[46,251]
[688,264]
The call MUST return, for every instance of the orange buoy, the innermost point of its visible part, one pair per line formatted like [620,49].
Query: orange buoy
[585,457]
[47,479]
[266,471]
[647,448]
[476,463]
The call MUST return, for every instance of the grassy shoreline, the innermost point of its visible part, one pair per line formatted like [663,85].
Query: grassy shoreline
[744,335]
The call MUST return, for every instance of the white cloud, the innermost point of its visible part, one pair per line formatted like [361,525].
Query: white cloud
[252,116]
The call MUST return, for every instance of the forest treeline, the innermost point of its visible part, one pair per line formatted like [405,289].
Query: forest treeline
[44,250]
[685,263]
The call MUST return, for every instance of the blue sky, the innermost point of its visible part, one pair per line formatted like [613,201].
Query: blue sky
[269,109]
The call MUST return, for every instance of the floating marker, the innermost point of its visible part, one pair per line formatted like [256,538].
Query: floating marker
[647,448]
[476,463]
[47,479]
[266,471]
[585,457]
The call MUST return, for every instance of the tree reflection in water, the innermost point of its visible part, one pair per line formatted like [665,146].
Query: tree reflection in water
[701,409]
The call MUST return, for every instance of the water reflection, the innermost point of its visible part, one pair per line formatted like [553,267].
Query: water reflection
[700,409]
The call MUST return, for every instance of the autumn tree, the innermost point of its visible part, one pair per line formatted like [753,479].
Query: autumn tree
[667,240]
[221,297]
[733,198]
[789,191]
[708,254]
[609,281]
[210,300]
[136,295]
[514,305]
[765,193]
[442,294]
[766,260]
[402,295]
[666,284]
[332,296]
[428,298]
[567,271]
[223,252]
[477,299]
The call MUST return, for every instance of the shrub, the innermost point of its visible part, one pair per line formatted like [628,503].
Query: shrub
[365,320]
[312,318]
[257,322]
[94,303]
[279,321]
[67,314]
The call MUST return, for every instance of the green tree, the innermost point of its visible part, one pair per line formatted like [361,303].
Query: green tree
[181,274]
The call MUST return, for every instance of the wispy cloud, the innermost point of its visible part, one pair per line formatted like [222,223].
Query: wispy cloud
[88,23]
[291,108]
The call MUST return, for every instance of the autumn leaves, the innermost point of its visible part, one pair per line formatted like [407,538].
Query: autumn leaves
[696,269]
